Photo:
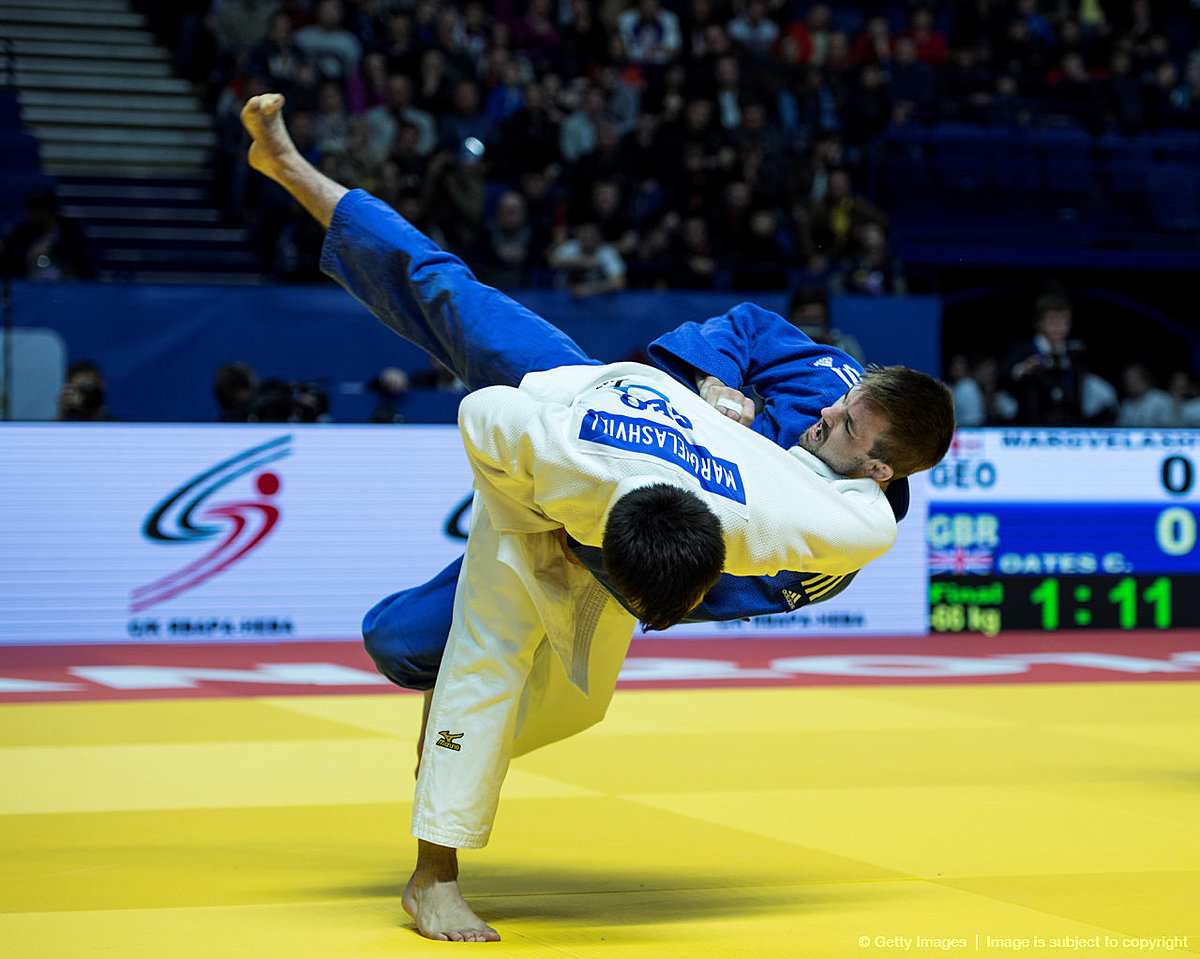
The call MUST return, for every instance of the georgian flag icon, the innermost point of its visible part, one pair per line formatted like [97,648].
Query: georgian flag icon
[187,515]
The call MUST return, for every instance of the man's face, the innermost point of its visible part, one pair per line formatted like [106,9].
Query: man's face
[845,434]
[1055,325]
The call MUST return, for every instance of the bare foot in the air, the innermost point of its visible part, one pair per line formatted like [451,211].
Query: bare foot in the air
[440,912]
[272,149]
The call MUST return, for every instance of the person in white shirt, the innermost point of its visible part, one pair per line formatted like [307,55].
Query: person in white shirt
[1144,405]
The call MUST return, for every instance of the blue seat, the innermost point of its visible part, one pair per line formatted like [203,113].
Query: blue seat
[1175,197]
[19,151]
[963,157]
[10,112]
[1066,159]
[1126,162]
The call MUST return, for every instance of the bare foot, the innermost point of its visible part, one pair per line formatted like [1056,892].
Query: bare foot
[272,149]
[440,912]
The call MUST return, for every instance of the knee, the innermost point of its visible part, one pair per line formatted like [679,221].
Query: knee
[403,652]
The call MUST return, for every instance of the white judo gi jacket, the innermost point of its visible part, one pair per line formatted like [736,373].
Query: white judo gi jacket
[537,642]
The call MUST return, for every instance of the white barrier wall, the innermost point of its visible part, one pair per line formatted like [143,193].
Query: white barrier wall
[112,533]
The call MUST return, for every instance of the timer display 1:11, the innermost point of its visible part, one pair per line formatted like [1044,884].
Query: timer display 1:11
[1128,596]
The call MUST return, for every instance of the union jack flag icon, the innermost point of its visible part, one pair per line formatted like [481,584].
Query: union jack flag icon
[960,560]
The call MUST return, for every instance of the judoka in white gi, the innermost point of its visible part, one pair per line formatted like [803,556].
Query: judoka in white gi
[537,642]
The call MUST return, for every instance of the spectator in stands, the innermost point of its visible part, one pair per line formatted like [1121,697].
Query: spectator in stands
[622,101]
[389,385]
[607,209]
[910,80]
[1123,94]
[1074,93]
[507,254]
[700,17]
[240,25]
[537,36]
[758,133]
[547,206]
[81,399]
[331,125]
[235,386]
[385,119]
[1144,405]
[577,135]
[691,255]
[964,85]
[466,121]
[586,265]
[872,270]
[585,40]
[1185,398]
[812,34]
[874,44]
[46,246]
[753,31]
[1189,90]
[369,20]
[761,262]
[968,397]
[930,42]
[602,164]
[1166,104]
[449,39]
[457,190]
[830,225]
[866,106]
[369,87]
[808,311]
[476,27]
[529,141]
[401,48]
[438,377]
[413,204]
[360,165]
[433,90]
[336,51]
[278,56]
[651,34]
[506,96]
[1022,55]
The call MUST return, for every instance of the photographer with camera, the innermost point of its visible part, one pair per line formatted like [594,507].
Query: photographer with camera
[81,400]
[1049,377]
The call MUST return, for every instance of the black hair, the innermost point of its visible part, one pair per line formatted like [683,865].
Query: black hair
[663,550]
[83,366]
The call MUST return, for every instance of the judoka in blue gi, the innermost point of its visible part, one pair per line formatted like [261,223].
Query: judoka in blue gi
[814,405]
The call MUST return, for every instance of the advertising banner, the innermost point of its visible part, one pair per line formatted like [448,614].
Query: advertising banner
[244,532]
[250,533]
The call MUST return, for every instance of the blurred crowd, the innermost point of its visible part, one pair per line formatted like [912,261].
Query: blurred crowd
[690,144]
[601,145]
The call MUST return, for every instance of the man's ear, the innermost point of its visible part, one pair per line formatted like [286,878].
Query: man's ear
[878,470]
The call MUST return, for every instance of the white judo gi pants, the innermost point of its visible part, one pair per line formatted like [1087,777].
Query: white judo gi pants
[502,689]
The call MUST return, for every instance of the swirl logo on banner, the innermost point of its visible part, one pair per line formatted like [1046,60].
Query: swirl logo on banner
[187,516]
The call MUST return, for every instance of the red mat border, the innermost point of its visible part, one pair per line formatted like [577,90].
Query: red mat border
[1017,657]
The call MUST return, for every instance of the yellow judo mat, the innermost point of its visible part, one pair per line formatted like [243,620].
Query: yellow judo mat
[992,820]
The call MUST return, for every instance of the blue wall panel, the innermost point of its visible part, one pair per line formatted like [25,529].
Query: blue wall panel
[158,346]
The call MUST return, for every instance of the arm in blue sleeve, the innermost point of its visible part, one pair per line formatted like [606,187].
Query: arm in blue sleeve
[753,347]
[430,297]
